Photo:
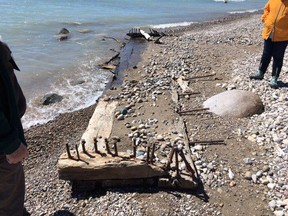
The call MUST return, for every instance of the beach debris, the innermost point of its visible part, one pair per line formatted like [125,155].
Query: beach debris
[134,148]
[107,66]
[83,146]
[145,35]
[153,152]
[111,64]
[77,152]
[177,150]
[192,110]
[68,151]
[107,146]
[114,142]
[200,76]
[95,145]
[158,40]
[230,174]
[122,44]
[139,33]
[207,142]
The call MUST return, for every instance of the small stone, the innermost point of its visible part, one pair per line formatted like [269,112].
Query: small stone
[120,117]
[271,185]
[272,204]
[232,184]
[279,213]
[259,174]
[254,178]
[248,175]
[160,137]
[123,111]
[284,202]
[265,168]
[133,128]
[264,181]
[247,161]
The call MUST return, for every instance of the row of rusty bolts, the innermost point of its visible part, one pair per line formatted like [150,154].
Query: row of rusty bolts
[149,158]
[175,151]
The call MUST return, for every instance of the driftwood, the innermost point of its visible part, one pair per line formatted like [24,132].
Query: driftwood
[122,44]
[108,65]
[158,41]
[139,33]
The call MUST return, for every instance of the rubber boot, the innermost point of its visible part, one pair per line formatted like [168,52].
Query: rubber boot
[259,75]
[273,82]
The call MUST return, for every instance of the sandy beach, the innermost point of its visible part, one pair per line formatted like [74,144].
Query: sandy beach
[257,146]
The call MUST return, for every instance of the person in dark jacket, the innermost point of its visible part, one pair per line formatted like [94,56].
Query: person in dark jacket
[13,147]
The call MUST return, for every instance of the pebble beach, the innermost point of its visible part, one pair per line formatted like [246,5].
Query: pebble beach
[247,176]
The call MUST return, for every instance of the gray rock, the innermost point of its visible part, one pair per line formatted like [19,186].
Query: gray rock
[235,103]
[51,98]
[77,82]
[64,31]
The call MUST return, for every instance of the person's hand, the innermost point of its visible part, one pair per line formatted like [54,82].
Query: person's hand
[19,155]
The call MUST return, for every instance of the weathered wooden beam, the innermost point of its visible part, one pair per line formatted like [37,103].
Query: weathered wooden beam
[105,168]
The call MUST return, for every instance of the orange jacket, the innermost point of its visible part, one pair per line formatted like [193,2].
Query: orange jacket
[275,18]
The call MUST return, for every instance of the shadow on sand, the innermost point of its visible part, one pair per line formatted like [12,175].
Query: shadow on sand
[282,84]
[199,192]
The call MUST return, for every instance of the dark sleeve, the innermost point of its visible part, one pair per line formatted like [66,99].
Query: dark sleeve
[9,140]
[9,136]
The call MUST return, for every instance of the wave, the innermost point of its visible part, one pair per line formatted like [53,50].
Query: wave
[244,11]
[171,25]
[230,0]
[78,92]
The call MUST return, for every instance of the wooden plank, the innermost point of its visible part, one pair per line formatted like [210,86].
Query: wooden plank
[146,35]
[184,85]
[97,167]
[100,125]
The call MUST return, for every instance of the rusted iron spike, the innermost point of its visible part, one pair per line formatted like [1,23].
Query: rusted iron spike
[115,148]
[95,145]
[189,168]
[78,156]
[153,151]
[206,142]
[107,146]
[83,146]
[197,77]
[148,154]
[204,80]
[189,93]
[194,110]
[134,148]
[68,151]
[177,162]
[171,154]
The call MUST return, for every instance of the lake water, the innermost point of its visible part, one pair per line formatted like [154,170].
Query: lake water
[48,65]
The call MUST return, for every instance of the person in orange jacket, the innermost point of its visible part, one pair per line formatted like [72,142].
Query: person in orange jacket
[275,34]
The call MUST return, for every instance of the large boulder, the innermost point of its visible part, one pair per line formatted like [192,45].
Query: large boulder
[51,98]
[235,103]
